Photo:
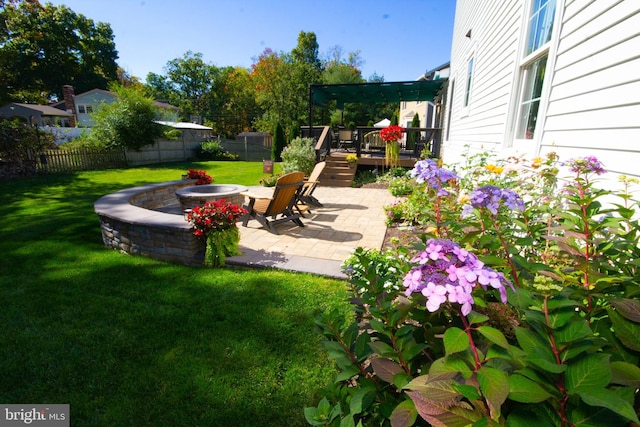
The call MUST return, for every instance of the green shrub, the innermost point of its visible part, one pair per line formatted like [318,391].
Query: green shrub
[126,122]
[278,143]
[364,177]
[269,180]
[401,186]
[172,134]
[213,150]
[521,310]
[299,155]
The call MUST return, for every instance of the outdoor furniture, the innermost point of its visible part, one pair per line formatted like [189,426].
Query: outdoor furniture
[265,209]
[345,139]
[306,197]
[372,140]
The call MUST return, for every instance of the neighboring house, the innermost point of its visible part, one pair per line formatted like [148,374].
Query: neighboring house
[86,103]
[38,115]
[426,110]
[535,76]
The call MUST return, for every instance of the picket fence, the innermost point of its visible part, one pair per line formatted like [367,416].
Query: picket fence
[77,159]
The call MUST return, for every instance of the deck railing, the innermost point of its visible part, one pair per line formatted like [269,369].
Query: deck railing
[417,139]
[322,135]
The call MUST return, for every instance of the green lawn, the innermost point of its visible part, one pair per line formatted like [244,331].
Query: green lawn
[132,341]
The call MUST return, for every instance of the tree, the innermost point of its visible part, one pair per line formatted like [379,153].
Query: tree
[17,137]
[413,136]
[238,107]
[306,52]
[127,122]
[281,81]
[278,143]
[191,84]
[45,47]
[193,81]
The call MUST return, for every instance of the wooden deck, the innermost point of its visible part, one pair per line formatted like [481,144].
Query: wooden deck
[376,158]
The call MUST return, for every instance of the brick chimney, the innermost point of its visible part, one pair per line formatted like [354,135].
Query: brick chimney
[69,103]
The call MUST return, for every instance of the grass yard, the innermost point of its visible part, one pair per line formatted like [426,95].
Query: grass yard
[132,341]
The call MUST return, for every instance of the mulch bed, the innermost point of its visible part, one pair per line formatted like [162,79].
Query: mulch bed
[401,236]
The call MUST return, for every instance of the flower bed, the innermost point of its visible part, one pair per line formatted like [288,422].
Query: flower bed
[519,303]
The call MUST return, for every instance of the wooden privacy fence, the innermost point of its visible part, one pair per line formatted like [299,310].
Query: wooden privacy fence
[77,159]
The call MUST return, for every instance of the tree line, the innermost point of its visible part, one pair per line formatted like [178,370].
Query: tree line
[43,47]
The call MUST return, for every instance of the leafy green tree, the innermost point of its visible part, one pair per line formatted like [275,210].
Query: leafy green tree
[16,138]
[127,122]
[306,52]
[413,136]
[45,47]
[238,107]
[281,82]
[193,82]
[278,144]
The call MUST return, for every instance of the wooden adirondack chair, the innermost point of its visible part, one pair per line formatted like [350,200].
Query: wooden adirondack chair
[267,209]
[306,194]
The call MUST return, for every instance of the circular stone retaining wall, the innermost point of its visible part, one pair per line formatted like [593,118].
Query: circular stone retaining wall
[131,222]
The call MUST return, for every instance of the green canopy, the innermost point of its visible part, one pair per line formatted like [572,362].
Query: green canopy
[419,90]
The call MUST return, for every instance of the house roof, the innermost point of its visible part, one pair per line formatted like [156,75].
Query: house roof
[417,90]
[44,110]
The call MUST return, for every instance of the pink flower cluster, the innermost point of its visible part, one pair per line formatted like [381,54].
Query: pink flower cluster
[446,272]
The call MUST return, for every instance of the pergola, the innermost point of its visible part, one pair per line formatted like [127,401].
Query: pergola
[418,90]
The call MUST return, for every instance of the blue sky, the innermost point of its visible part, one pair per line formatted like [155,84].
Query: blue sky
[398,39]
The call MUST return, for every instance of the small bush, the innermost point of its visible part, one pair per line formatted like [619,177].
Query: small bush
[364,177]
[299,155]
[269,180]
[278,143]
[401,186]
[213,150]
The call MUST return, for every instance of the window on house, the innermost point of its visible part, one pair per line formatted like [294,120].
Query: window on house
[450,106]
[540,24]
[85,109]
[467,93]
[533,66]
[531,93]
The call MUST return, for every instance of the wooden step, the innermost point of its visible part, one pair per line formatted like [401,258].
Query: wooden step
[337,173]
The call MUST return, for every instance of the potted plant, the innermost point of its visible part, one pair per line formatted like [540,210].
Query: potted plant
[352,159]
[391,135]
[201,176]
[216,222]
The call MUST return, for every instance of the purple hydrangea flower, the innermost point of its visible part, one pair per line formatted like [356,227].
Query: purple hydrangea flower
[492,197]
[445,272]
[584,165]
[427,171]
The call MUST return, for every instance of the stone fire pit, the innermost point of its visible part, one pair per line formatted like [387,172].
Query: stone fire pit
[198,195]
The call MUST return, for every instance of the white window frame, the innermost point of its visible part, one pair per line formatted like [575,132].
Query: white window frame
[468,78]
[85,108]
[547,49]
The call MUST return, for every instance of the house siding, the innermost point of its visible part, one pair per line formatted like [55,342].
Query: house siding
[591,101]
[594,102]
[495,28]
[94,98]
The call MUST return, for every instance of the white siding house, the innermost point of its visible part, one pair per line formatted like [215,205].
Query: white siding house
[88,102]
[533,76]
[424,109]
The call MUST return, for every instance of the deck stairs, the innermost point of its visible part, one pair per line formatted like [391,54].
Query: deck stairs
[337,172]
